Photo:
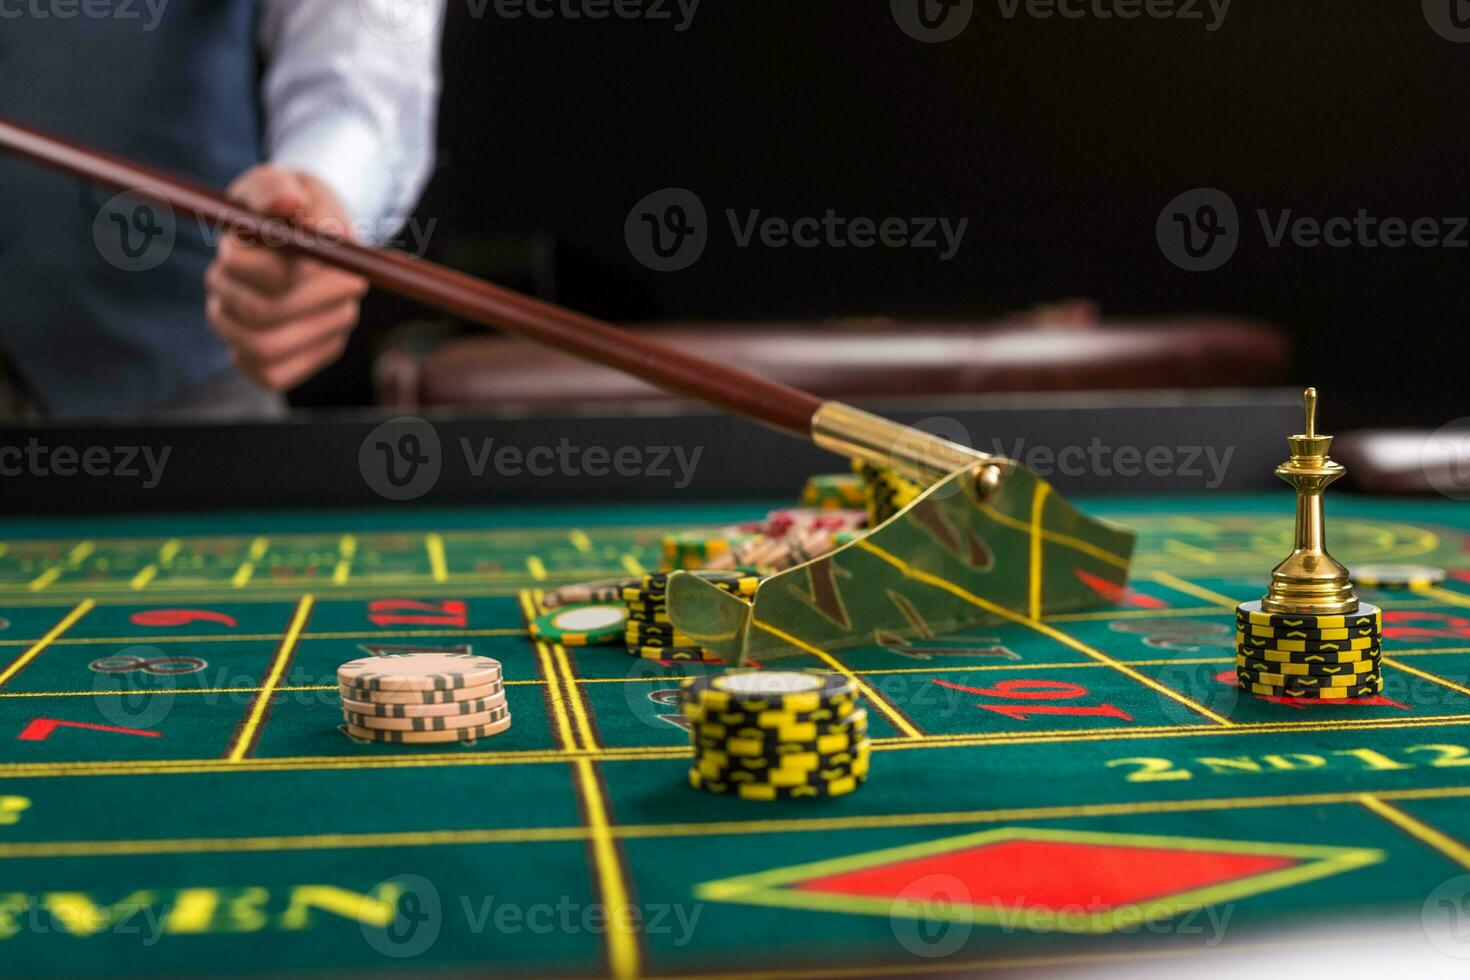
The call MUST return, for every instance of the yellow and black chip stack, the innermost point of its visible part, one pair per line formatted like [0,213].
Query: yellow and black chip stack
[1310,636]
[885,493]
[1291,655]
[649,632]
[776,734]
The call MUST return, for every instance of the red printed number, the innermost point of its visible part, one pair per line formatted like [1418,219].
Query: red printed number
[1039,690]
[1439,625]
[408,612]
[180,617]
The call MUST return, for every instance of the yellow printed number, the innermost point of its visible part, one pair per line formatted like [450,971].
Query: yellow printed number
[11,808]
[1445,756]
[1151,770]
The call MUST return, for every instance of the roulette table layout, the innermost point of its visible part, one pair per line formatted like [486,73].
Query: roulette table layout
[176,789]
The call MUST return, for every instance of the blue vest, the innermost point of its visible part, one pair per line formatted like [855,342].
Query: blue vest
[99,313]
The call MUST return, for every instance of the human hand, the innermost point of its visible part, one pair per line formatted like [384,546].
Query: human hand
[283,317]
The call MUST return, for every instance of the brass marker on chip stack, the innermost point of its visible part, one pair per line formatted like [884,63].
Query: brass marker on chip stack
[1310,580]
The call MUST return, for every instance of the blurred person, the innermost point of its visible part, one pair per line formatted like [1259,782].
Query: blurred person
[319,111]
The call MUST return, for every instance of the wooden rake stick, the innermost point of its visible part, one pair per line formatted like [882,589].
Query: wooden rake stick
[831,425]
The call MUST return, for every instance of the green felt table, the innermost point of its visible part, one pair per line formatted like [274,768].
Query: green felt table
[176,795]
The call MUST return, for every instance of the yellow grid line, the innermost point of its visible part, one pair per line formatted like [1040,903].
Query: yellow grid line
[37,648]
[636,753]
[895,717]
[1445,595]
[1057,538]
[622,940]
[439,569]
[1042,628]
[1038,506]
[1189,588]
[623,952]
[561,724]
[45,578]
[1441,842]
[578,704]
[261,637]
[346,550]
[1424,674]
[246,737]
[722,828]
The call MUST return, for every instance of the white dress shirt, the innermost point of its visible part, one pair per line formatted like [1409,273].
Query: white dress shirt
[351,93]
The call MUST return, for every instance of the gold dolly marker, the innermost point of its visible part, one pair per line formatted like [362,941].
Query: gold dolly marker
[1310,580]
[1309,610]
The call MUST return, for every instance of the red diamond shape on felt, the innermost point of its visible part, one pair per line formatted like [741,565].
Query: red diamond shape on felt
[1045,880]
[1056,874]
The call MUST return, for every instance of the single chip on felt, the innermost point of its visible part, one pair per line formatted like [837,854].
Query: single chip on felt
[427,738]
[477,693]
[582,625]
[1398,576]
[1304,681]
[1246,642]
[419,672]
[439,723]
[1309,656]
[447,708]
[792,691]
[696,654]
[1367,689]
[750,791]
[1351,668]
[1250,615]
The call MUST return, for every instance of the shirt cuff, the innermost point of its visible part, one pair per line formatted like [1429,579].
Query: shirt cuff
[346,154]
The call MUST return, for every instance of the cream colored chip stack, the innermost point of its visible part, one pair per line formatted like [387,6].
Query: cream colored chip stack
[423,698]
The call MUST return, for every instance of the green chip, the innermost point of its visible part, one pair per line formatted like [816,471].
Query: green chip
[582,625]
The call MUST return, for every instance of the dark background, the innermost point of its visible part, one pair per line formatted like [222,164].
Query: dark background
[1061,141]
